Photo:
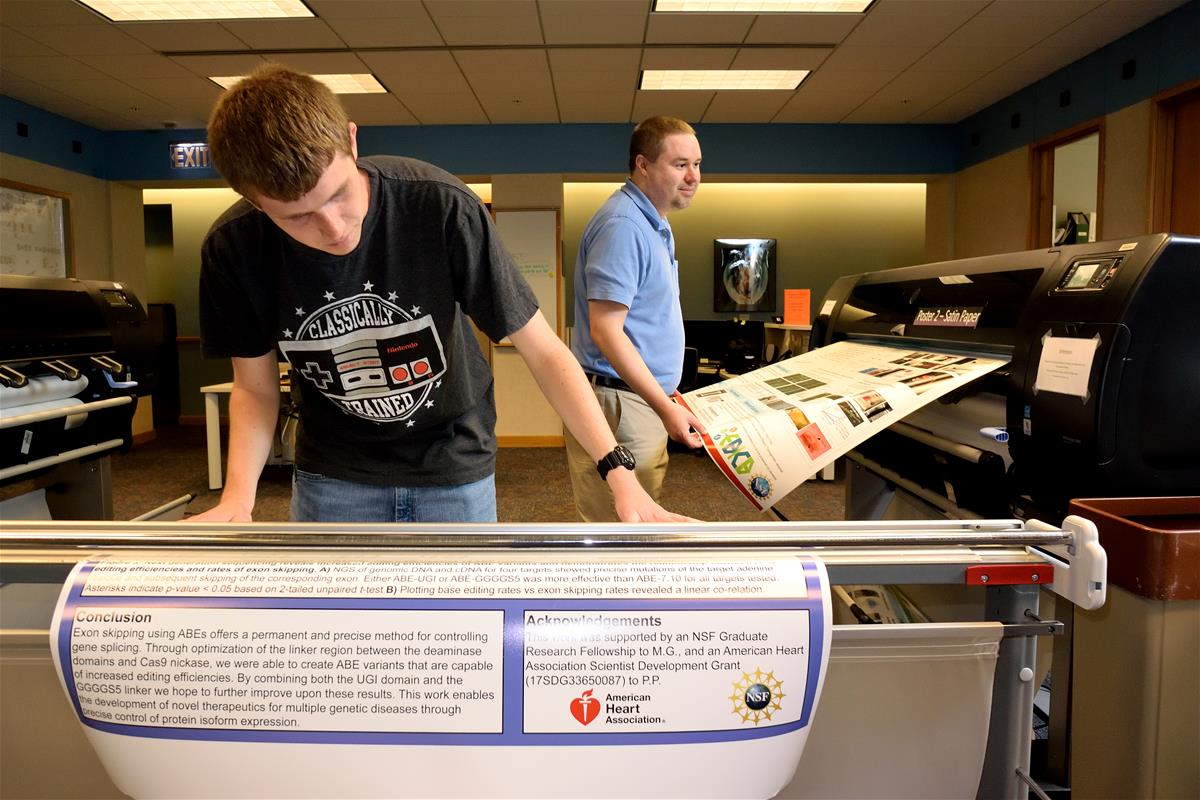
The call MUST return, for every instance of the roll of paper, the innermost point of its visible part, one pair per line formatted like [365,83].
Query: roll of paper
[42,389]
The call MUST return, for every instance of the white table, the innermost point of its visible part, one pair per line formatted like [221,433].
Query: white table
[212,427]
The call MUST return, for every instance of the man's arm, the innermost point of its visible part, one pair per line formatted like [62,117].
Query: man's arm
[253,412]
[561,379]
[607,328]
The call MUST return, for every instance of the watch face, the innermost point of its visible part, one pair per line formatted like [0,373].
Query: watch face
[624,457]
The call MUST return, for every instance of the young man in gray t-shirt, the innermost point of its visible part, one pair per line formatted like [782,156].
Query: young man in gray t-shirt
[360,273]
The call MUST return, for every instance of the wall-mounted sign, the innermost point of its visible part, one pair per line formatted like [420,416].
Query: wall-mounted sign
[189,155]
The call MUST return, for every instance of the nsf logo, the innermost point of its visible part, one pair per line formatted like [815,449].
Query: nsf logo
[760,486]
[757,696]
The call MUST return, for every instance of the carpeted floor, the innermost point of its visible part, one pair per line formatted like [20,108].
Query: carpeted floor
[532,485]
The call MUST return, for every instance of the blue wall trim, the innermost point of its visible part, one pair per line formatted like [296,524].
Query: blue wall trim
[1164,50]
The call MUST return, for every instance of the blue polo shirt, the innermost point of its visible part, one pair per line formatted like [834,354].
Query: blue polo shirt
[627,255]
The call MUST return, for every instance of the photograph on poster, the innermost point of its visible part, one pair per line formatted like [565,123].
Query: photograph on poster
[743,275]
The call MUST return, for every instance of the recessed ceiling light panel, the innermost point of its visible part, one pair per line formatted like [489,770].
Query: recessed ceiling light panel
[722,79]
[159,10]
[364,83]
[763,6]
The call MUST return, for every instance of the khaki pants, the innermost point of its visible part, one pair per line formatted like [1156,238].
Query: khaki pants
[636,426]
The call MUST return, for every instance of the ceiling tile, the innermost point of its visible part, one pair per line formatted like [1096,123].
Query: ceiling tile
[387,32]
[879,112]
[87,39]
[108,93]
[1019,22]
[368,9]
[685,105]
[867,59]
[815,106]
[594,21]
[139,66]
[186,90]
[220,65]
[485,22]
[780,57]
[926,87]
[376,109]
[276,34]
[863,82]
[913,22]
[595,70]
[167,37]
[951,57]
[41,68]
[512,85]
[802,28]
[13,43]
[697,28]
[321,63]
[422,71]
[595,106]
[746,106]
[688,58]
[21,13]
[444,108]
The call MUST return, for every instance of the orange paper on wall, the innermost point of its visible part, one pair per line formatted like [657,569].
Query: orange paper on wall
[795,306]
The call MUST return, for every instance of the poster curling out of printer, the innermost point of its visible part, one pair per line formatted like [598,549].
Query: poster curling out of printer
[770,429]
[215,677]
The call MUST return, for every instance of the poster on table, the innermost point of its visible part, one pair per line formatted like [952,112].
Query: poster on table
[769,430]
[489,676]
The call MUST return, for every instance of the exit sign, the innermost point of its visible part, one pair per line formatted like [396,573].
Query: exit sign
[189,155]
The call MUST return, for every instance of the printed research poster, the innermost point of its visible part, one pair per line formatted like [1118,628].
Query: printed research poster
[502,677]
[770,429]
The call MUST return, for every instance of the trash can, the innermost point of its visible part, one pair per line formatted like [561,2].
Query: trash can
[1135,721]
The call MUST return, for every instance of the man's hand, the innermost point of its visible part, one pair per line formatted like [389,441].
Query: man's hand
[222,512]
[683,426]
[632,502]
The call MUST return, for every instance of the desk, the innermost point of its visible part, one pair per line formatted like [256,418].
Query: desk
[212,428]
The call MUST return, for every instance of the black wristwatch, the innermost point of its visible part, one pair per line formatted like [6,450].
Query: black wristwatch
[619,457]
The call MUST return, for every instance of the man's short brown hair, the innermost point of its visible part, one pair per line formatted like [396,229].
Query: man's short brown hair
[648,136]
[275,132]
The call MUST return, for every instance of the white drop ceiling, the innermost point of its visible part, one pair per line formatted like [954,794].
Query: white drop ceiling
[561,61]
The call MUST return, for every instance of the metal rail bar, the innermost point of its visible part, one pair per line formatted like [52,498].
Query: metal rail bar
[64,411]
[462,537]
[60,458]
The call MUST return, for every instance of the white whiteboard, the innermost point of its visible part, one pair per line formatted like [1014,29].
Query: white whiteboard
[532,237]
[33,233]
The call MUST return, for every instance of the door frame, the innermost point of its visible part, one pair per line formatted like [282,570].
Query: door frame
[1162,152]
[1041,180]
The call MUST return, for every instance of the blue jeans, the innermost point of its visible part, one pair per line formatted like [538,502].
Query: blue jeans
[319,498]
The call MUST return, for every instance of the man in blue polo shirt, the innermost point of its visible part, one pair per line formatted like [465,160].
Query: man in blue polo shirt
[628,322]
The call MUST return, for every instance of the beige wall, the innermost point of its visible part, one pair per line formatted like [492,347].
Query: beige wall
[991,206]
[823,230]
[1125,209]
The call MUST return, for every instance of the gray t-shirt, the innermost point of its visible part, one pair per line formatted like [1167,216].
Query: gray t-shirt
[393,387]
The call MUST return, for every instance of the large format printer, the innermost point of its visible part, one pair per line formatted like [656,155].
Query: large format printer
[1117,421]
[68,353]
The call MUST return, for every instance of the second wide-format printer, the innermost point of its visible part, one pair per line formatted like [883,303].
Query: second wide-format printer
[1101,394]
[71,355]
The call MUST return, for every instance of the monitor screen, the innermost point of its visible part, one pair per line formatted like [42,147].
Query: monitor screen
[743,275]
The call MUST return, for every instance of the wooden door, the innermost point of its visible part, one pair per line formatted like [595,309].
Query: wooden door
[1177,200]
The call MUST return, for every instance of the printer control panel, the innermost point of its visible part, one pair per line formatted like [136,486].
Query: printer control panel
[1089,274]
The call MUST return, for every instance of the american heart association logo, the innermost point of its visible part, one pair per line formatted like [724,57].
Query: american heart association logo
[585,708]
